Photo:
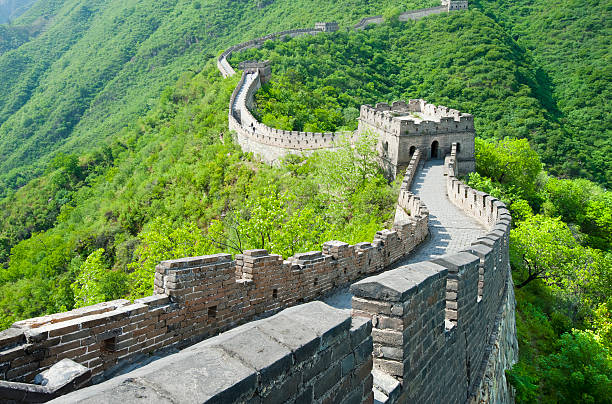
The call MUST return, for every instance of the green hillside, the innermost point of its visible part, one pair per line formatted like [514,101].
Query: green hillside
[570,44]
[11,9]
[116,154]
[100,64]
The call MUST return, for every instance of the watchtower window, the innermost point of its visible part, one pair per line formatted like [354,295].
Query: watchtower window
[274,293]
[458,147]
[212,312]
[412,150]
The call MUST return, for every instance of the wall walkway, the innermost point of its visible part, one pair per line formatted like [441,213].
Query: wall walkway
[450,228]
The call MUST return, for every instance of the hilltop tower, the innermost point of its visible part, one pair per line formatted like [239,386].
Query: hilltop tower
[455,4]
[403,128]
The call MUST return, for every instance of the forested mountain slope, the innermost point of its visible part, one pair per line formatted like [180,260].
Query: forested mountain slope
[570,43]
[11,9]
[100,64]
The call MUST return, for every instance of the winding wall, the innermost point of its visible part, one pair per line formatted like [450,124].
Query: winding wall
[270,144]
[442,330]
[197,297]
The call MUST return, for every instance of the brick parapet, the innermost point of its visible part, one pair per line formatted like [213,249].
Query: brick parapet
[435,322]
[227,70]
[197,297]
[437,119]
[309,353]
[405,16]
[271,144]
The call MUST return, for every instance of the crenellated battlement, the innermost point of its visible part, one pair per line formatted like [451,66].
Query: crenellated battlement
[415,118]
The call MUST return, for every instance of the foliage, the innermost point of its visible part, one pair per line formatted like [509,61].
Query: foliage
[95,283]
[163,240]
[580,371]
[568,43]
[167,188]
[64,89]
[509,161]
[562,281]
[544,247]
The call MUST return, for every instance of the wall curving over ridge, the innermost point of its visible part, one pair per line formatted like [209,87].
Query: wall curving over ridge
[435,331]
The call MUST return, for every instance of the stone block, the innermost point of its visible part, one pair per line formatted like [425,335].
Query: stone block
[258,350]
[457,263]
[361,329]
[303,341]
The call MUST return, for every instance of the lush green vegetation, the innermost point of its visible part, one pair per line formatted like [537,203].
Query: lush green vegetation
[82,224]
[569,42]
[561,259]
[100,64]
[11,9]
[169,187]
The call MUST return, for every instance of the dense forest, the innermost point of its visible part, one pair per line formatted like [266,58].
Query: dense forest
[116,153]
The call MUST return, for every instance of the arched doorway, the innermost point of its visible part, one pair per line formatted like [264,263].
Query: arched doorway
[434,149]
[412,150]
[458,147]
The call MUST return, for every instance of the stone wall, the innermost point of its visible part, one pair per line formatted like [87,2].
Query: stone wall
[198,297]
[270,144]
[306,354]
[409,15]
[436,324]
[227,70]
[399,138]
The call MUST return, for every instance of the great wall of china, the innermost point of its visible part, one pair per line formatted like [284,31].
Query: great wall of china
[429,315]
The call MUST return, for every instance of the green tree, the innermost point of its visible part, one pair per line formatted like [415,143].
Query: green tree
[580,372]
[542,248]
[509,162]
[163,240]
[87,287]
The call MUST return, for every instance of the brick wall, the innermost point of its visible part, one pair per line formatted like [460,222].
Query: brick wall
[435,322]
[198,297]
[311,353]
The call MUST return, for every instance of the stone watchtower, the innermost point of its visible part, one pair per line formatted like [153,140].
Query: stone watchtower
[264,69]
[455,4]
[402,128]
[327,26]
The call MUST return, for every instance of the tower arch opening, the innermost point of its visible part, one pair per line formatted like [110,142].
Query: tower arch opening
[435,149]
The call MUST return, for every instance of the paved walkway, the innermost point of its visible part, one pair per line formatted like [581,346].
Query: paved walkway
[240,102]
[450,229]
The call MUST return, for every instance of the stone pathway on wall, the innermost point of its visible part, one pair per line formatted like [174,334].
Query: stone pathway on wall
[450,229]
[240,103]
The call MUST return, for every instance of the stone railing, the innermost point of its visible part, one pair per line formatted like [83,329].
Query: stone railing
[198,297]
[448,119]
[406,16]
[407,202]
[227,70]
[271,144]
[306,354]
[435,323]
